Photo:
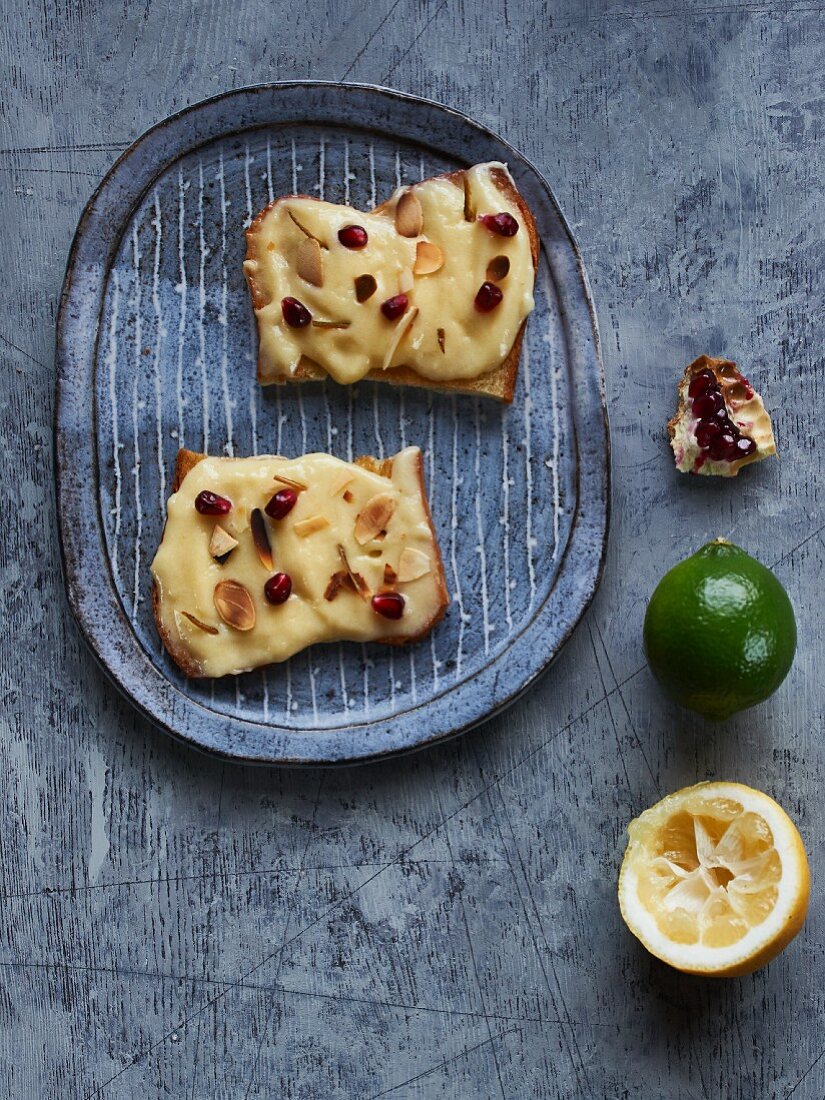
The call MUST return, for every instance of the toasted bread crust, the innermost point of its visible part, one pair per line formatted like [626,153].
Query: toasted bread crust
[499,383]
[187,460]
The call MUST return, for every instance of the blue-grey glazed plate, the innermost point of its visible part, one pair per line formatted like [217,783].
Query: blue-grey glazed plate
[156,350]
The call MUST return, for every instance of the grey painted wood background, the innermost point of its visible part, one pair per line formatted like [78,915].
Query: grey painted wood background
[444,926]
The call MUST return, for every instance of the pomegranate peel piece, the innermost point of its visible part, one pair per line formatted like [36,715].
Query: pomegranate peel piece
[721,423]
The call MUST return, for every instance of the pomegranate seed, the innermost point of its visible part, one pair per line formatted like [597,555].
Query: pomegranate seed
[388,604]
[723,447]
[295,313]
[708,404]
[281,504]
[278,588]
[745,447]
[701,383]
[505,225]
[705,431]
[488,297]
[353,236]
[395,307]
[210,504]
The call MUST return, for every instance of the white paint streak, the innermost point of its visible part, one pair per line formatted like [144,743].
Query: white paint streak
[201,310]
[482,554]
[453,539]
[528,473]
[229,446]
[137,367]
[160,333]
[98,837]
[111,363]
[181,289]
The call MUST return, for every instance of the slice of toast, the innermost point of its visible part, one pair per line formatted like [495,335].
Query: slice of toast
[441,341]
[356,543]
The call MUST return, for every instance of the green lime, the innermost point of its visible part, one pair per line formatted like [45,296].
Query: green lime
[720,633]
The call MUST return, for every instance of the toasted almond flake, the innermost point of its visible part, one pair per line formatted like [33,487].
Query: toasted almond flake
[299,485]
[202,626]
[340,482]
[306,232]
[429,258]
[335,583]
[309,262]
[390,575]
[306,527]
[399,332]
[356,580]
[348,497]
[374,517]
[413,564]
[234,605]
[319,323]
[469,206]
[365,287]
[409,217]
[221,544]
[441,340]
[260,537]
[498,268]
[406,281]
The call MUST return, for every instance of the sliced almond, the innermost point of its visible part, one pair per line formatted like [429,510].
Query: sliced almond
[307,233]
[309,263]
[441,340]
[260,536]
[374,517]
[306,527]
[365,287]
[348,497]
[398,335]
[358,583]
[202,626]
[298,485]
[409,217]
[221,544]
[428,258]
[413,564]
[234,605]
[469,206]
[390,575]
[498,268]
[343,478]
[336,582]
[318,323]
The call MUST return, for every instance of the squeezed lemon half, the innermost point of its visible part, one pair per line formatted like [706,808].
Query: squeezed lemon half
[715,879]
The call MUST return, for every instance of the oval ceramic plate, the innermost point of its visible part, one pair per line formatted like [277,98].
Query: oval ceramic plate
[156,350]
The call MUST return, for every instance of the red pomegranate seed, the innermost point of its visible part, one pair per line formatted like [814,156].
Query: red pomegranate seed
[281,504]
[505,225]
[353,236]
[723,447]
[395,307]
[388,604]
[701,383]
[708,404]
[488,297]
[295,313]
[278,588]
[210,504]
[705,432]
[745,447]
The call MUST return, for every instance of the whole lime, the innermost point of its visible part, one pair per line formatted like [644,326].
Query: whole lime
[719,633]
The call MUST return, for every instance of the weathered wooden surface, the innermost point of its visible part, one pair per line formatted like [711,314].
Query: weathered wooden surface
[444,926]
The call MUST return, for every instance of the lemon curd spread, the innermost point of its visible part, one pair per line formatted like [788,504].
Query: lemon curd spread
[438,279]
[261,557]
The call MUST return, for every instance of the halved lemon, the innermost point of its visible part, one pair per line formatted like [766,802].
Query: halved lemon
[715,879]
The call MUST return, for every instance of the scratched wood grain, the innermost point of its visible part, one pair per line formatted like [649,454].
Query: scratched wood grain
[444,926]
